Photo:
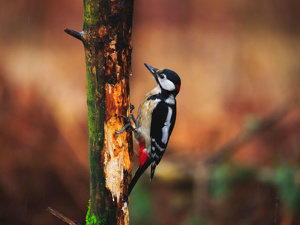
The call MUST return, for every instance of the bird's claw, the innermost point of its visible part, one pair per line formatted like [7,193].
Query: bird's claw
[127,125]
[124,117]
[124,128]
[131,108]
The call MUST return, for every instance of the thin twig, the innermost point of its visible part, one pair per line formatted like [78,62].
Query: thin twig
[78,35]
[62,217]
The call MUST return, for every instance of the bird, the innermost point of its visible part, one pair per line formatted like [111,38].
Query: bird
[155,121]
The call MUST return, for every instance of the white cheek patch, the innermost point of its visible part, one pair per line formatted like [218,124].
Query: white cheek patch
[167,84]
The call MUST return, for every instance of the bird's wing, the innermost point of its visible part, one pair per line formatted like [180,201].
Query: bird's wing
[162,124]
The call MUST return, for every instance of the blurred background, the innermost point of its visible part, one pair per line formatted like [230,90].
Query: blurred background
[234,154]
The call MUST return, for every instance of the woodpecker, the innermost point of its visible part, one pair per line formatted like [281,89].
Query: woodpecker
[155,121]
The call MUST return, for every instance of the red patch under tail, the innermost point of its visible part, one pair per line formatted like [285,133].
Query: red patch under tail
[143,154]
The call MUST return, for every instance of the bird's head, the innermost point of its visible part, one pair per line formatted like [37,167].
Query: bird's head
[166,79]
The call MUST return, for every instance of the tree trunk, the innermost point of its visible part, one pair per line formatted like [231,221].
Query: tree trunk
[107,41]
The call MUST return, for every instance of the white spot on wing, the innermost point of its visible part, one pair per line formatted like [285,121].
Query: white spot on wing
[165,129]
[170,100]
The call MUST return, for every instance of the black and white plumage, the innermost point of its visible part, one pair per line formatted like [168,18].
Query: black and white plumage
[163,121]
[155,120]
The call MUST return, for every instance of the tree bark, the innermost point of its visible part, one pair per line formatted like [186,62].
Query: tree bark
[106,37]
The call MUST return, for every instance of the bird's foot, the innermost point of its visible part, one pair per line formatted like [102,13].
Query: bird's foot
[127,125]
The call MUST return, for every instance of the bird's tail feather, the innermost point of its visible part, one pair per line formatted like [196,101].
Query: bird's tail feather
[137,175]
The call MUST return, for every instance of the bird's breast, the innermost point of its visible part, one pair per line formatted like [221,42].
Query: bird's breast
[144,120]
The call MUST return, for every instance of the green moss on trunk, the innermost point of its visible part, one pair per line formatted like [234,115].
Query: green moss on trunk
[106,37]
[107,42]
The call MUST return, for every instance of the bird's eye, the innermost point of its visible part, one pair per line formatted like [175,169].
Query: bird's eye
[162,76]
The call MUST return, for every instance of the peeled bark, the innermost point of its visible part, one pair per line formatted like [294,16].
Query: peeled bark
[106,37]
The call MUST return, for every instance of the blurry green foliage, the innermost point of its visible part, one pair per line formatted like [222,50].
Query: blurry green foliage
[252,123]
[195,221]
[287,179]
[141,204]
[224,177]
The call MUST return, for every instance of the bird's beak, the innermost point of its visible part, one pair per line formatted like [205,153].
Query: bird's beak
[153,71]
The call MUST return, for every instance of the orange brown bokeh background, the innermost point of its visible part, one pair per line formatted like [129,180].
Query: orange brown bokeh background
[238,60]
